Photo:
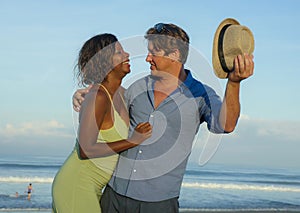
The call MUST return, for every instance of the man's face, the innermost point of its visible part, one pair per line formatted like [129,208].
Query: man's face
[159,62]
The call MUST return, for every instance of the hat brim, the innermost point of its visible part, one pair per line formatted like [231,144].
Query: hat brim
[217,67]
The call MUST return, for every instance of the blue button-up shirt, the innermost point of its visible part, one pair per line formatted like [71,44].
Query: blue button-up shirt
[153,171]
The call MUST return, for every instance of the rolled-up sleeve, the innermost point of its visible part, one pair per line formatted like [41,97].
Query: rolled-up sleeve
[210,106]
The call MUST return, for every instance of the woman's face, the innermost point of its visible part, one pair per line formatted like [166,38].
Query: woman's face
[120,60]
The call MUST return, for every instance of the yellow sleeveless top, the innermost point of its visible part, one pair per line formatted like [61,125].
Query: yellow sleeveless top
[117,132]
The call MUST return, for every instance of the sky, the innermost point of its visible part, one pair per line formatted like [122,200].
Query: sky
[40,41]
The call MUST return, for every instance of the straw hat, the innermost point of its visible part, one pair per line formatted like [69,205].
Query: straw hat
[230,40]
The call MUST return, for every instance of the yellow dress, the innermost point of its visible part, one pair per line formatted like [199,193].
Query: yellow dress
[77,187]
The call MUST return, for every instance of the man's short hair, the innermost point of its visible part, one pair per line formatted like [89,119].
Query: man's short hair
[169,37]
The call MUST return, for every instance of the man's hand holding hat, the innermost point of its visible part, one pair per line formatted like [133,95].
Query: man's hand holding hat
[232,51]
[243,68]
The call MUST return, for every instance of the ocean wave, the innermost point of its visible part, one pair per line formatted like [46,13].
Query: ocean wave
[31,166]
[239,187]
[14,179]
[227,186]
[245,175]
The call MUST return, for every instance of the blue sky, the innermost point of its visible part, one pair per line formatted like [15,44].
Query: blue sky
[40,41]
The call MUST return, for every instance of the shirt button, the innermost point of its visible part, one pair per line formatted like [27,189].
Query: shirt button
[134,170]
[151,116]
[140,151]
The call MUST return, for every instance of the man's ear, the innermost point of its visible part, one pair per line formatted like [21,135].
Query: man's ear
[175,55]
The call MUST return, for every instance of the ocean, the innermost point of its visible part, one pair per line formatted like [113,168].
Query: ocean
[208,188]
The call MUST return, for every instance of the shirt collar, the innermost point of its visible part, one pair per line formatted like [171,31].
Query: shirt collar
[188,81]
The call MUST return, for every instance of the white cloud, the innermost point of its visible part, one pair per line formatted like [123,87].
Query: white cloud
[37,137]
[35,128]
[285,130]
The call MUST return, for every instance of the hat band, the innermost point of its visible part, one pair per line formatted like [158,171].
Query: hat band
[220,49]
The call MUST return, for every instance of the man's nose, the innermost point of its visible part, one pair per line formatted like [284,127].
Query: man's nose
[149,57]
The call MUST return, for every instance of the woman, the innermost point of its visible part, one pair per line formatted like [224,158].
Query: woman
[103,128]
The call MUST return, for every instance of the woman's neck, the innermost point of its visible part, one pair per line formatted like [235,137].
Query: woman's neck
[112,85]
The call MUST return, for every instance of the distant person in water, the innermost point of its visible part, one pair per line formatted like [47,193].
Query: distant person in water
[29,191]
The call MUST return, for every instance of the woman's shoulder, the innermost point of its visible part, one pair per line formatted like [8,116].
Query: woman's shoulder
[97,95]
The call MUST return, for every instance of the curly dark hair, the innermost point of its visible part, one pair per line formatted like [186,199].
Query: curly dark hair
[95,59]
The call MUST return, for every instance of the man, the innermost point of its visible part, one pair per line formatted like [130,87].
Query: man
[148,177]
